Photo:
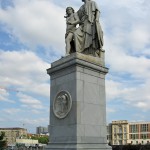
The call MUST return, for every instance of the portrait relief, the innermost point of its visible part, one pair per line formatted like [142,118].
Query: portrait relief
[62,104]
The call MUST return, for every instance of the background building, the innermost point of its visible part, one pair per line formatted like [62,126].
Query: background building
[139,133]
[122,132]
[119,132]
[27,142]
[109,134]
[42,130]
[12,133]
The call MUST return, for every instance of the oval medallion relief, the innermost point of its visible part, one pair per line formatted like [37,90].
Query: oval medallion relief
[62,104]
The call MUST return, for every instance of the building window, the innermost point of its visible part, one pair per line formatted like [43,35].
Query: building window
[134,136]
[125,141]
[115,142]
[120,142]
[125,129]
[125,136]
[120,136]
[136,142]
[134,128]
[108,129]
[120,129]
[144,127]
[144,136]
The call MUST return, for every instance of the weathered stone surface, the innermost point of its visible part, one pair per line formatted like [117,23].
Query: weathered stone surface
[85,125]
[88,37]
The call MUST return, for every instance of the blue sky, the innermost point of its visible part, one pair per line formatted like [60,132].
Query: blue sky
[32,37]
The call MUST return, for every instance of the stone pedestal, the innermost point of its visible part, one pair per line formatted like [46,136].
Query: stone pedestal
[83,124]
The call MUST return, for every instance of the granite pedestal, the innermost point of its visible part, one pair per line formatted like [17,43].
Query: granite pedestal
[84,127]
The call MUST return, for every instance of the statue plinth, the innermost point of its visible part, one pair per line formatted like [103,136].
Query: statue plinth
[77,103]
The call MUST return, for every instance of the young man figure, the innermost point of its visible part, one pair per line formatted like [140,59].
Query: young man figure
[70,29]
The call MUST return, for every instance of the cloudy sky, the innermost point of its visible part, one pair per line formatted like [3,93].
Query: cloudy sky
[32,37]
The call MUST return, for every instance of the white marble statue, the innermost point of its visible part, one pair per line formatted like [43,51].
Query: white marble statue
[88,37]
[70,29]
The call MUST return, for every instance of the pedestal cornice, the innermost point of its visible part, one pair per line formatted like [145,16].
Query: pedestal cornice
[78,59]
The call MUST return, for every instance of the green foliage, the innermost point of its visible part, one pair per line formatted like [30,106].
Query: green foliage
[41,139]
[3,143]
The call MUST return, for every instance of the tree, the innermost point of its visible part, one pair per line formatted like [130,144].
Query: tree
[43,140]
[3,143]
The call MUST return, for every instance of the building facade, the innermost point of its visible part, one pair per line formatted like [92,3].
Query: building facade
[118,132]
[27,142]
[42,130]
[122,132]
[139,133]
[11,134]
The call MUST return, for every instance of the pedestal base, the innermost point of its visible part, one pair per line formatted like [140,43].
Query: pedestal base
[84,126]
[79,146]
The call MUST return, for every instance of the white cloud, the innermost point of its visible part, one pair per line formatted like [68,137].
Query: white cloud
[137,67]
[110,110]
[35,122]
[126,28]
[135,95]
[4,95]
[117,90]
[30,102]
[35,111]
[36,23]
[11,111]
[140,36]
[25,71]
[142,105]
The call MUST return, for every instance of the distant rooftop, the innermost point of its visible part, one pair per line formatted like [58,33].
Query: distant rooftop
[126,121]
[140,122]
[13,128]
